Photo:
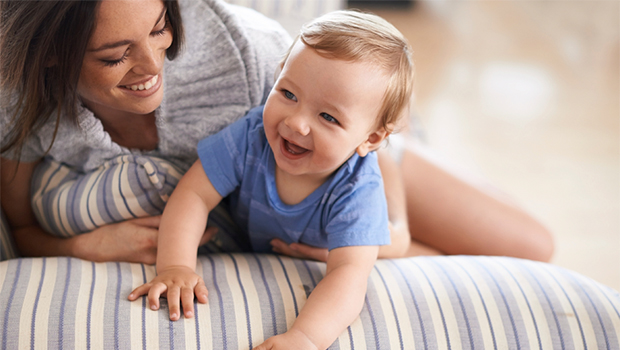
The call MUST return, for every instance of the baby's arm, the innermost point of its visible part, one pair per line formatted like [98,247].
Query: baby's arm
[182,225]
[334,304]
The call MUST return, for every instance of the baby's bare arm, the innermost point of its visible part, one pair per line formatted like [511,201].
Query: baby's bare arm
[182,226]
[335,302]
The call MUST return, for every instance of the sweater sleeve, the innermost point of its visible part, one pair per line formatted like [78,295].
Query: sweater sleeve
[266,45]
[225,69]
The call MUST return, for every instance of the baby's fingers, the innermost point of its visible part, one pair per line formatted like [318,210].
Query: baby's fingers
[174,306]
[155,292]
[201,292]
[187,297]
[187,300]
[140,291]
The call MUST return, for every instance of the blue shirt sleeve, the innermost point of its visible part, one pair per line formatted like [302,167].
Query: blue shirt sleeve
[223,155]
[358,213]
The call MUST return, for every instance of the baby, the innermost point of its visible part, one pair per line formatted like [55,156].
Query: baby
[301,169]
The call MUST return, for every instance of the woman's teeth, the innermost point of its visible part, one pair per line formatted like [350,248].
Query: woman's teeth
[149,84]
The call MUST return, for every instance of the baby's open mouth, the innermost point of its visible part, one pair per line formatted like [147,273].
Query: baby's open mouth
[294,149]
[149,84]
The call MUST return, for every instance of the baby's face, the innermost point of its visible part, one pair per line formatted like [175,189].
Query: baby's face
[321,111]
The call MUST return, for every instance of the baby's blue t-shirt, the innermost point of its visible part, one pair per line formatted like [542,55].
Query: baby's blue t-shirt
[349,209]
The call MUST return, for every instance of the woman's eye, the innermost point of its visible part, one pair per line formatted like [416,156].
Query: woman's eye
[163,30]
[329,118]
[290,95]
[160,32]
[114,63]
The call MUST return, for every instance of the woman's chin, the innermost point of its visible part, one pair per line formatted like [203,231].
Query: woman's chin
[146,107]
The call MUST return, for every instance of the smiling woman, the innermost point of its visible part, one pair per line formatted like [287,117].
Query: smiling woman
[120,79]
[117,60]
[118,84]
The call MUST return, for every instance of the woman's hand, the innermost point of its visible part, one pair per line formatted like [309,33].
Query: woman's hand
[132,240]
[176,283]
[400,246]
[298,250]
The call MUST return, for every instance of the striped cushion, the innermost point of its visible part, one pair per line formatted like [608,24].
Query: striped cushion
[458,302]
[67,203]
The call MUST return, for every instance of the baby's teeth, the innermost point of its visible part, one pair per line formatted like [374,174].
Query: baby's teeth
[134,87]
[148,85]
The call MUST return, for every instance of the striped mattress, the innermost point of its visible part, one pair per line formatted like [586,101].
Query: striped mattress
[458,302]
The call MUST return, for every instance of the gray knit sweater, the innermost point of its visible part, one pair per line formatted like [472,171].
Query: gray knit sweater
[226,68]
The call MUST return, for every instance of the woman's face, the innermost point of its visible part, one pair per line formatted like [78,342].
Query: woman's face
[123,64]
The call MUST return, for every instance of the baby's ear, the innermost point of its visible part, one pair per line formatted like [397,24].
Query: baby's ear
[374,140]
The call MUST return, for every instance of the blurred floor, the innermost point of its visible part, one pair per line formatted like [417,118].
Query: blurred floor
[526,94]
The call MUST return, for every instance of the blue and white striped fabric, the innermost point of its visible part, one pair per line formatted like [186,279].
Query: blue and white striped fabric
[458,302]
[67,203]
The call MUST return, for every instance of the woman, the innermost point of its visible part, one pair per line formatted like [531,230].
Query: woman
[84,81]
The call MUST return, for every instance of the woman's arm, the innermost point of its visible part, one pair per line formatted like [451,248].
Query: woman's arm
[133,240]
[334,304]
[31,240]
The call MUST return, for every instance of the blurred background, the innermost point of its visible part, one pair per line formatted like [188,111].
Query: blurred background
[525,94]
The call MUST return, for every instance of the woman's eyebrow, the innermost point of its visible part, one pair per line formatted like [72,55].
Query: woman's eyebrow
[111,45]
[125,42]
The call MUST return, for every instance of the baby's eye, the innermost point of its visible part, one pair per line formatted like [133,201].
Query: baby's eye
[290,95]
[329,118]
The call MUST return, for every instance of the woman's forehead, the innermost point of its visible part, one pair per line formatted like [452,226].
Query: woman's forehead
[125,19]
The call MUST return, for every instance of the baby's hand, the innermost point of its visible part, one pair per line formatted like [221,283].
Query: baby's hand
[175,282]
[293,339]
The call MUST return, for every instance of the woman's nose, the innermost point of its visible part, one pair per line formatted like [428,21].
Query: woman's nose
[149,61]
[298,124]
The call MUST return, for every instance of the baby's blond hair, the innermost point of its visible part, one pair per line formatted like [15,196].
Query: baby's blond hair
[356,36]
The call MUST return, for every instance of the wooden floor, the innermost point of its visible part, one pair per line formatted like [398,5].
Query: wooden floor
[526,94]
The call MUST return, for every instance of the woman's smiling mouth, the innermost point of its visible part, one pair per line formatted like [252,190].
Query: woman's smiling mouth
[145,86]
